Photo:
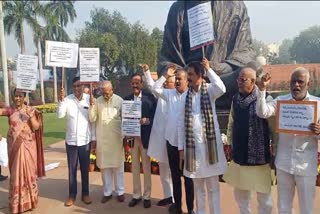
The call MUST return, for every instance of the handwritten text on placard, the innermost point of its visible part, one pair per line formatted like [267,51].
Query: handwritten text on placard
[296,117]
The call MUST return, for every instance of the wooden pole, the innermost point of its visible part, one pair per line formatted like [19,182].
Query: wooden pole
[62,78]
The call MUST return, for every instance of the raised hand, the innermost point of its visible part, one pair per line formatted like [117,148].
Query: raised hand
[144,67]
[170,71]
[62,94]
[264,82]
[205,64]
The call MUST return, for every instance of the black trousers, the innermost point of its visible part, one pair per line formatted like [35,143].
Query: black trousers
[81,153]
[176,173]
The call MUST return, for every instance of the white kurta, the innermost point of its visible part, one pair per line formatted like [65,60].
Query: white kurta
[157,143]
[107,115]
[203,169]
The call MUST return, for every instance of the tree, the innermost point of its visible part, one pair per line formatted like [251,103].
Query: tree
[284,52]
[260,48]
[122,45]
[306,46]
[16,13]
[4,59]
[60,12]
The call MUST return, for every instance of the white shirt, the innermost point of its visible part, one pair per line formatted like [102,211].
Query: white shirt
[203,169]
[175,101]
[296,154]
[79,130]
[157,144]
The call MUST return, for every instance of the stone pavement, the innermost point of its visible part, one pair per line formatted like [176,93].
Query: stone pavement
[54,191]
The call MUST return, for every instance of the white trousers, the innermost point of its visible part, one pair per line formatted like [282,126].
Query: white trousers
[243,200]
[165,178]
[286,188]
[207,186]
[109,175]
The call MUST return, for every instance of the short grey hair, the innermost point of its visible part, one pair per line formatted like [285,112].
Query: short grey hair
[106,84]
[301,70]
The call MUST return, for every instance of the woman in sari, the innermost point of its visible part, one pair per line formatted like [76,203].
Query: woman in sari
[25,153]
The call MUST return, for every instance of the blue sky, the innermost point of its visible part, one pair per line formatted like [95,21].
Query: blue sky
[271,21]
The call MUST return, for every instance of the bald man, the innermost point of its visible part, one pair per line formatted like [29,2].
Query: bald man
[296,156]
[106,112]
[249,171]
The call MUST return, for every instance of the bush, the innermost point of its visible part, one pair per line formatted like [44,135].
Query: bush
[48,108]
[48,91]
[35,95]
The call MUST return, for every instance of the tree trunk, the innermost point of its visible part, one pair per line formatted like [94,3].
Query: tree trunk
[22,42]
[55,85]
[4,59]
[41,72]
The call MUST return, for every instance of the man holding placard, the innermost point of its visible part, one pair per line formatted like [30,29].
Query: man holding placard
[141,143]
[79,134]
[296,157]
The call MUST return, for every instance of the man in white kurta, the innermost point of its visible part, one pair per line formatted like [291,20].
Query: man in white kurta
[106,112]
[206,175]
[174,99]
[157,143]
[296,157]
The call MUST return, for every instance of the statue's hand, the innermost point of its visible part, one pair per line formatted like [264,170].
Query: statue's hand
[264,82]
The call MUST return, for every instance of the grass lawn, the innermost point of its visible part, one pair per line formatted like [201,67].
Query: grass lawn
[54,128]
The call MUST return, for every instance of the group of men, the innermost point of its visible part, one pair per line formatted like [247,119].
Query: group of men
[180,128]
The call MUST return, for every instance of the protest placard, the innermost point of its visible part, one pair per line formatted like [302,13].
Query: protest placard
[131,109]
[61,54]
[89,64]
[295,117]
[200,23]
[131,127]
[27,72]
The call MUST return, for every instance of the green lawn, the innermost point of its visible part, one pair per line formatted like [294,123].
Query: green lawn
[54,128]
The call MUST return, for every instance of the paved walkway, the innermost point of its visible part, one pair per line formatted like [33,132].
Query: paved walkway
[54,191]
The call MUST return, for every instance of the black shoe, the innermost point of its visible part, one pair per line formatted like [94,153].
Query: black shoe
[174,210]
[134,202]
[106,198]
[146,203]
[165,202]
[191,212]
[2,177]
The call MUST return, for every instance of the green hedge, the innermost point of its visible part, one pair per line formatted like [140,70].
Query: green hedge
[48,108]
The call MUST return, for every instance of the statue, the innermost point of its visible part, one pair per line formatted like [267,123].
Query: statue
[231,50]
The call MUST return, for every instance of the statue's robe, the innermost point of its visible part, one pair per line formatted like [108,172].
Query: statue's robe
[231,49]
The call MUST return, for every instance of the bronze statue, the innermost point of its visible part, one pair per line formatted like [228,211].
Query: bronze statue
[231,49]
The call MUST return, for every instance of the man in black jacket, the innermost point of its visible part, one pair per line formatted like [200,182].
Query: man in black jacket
[141,143]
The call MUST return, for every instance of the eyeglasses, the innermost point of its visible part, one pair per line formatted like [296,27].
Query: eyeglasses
[243,80]
[76,86]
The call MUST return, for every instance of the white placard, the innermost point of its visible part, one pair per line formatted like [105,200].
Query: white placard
[89,64]
[131,127]
[3,152]
[131,109]
[296,116]
[27,72]
[200,25]
[61,54]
